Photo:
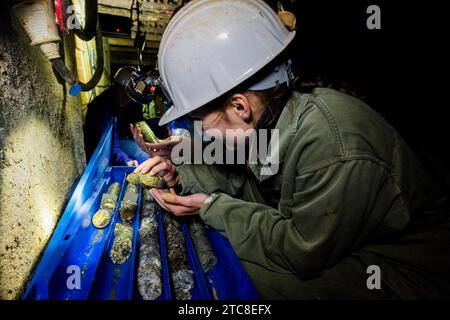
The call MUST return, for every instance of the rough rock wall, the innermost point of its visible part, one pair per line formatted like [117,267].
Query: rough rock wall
[41,152]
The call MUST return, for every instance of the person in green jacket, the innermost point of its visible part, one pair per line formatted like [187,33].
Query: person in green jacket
[346,212]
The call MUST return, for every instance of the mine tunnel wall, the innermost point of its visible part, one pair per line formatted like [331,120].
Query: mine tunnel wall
[41,151]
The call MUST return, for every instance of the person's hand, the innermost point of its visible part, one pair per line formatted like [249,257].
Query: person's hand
[179,205]
[162,167]
[137,136]
[132,163]
[162,149]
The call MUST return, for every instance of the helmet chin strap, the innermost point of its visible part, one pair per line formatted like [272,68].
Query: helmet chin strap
[282,73]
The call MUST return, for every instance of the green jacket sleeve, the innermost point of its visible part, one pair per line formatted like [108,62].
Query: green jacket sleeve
[202,178]
[333,211]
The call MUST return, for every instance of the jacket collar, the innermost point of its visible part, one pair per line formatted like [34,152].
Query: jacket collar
[285,130]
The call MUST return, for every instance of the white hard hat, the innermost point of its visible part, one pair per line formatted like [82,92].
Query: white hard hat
[210,47]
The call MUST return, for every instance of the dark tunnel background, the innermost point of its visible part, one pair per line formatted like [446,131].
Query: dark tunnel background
[390,68]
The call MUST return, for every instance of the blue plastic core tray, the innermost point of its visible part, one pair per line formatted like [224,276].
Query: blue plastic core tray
[77,245]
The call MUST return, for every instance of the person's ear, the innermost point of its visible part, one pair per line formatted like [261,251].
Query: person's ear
[241,106]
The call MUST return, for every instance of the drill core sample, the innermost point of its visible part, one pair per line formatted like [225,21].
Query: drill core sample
[202,245]
[149,269]
[108,203]
[147,133]
[182,274]
[123,243]
[146,181]
[128,205]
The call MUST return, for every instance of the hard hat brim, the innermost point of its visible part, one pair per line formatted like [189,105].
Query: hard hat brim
[170,116]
